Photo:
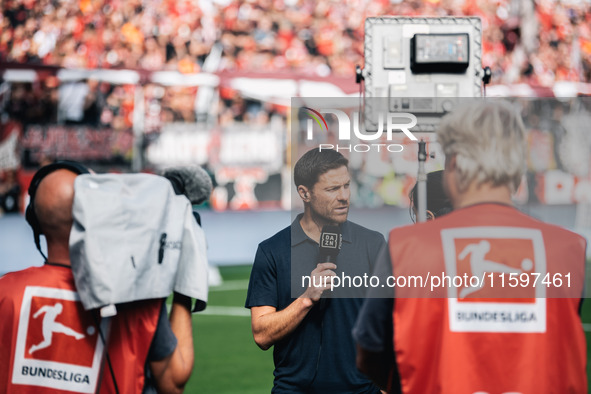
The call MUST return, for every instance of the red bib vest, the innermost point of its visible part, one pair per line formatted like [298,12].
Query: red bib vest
[492,338]
[49,344]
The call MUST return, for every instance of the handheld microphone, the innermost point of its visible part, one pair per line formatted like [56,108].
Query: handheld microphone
[194,182]
[330,244]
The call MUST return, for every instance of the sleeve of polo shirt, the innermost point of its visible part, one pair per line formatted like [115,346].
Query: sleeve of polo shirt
[164,341]
[262,287]
[373,329]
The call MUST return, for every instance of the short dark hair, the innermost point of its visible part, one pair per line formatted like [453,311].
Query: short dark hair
[316,162]
[437,201]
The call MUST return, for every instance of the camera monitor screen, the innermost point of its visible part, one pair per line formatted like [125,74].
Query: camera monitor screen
[439,53]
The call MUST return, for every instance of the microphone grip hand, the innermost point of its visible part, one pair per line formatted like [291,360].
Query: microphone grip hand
[320,280]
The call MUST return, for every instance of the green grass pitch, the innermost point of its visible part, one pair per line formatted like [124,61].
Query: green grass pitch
[227,360]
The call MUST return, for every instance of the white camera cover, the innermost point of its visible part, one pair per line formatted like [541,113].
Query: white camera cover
[134,239]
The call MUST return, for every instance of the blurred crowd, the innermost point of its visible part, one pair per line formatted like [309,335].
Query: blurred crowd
[523,41]
[9,191]
[536,42]
[86,102]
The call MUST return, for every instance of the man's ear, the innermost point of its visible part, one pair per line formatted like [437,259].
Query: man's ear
[304,193]
[450,163]
[430,215]
[449,176]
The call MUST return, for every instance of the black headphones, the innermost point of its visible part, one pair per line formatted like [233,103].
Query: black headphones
[30,214]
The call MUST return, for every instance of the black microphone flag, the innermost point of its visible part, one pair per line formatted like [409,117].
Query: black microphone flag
[330,243]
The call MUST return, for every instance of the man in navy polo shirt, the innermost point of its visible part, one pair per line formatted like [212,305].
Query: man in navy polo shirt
[313,348]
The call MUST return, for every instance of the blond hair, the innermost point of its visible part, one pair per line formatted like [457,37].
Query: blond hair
[487,137]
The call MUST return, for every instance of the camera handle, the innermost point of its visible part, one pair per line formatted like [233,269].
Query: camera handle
[422,183]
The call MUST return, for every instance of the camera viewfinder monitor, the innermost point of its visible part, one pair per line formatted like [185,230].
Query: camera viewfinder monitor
[439,53]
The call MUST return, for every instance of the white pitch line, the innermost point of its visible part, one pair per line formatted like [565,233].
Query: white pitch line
[225,311]
[231,285]
[220,311]
[587,327]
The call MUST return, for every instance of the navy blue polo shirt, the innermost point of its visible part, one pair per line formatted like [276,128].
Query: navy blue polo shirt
[319,356]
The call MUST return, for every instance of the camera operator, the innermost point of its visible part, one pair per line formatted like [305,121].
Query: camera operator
[494,337]
[48,343]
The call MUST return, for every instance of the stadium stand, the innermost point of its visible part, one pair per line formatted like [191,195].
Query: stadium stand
[524,41]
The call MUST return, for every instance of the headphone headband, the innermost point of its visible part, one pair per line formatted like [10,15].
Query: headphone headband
[48,169]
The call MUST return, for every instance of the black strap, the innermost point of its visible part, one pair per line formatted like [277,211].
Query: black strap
[106,353]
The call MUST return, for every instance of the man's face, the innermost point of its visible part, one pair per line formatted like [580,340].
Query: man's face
[329,197]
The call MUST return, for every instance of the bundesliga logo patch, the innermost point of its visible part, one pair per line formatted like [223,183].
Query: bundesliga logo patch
[493,258]
[57,342]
